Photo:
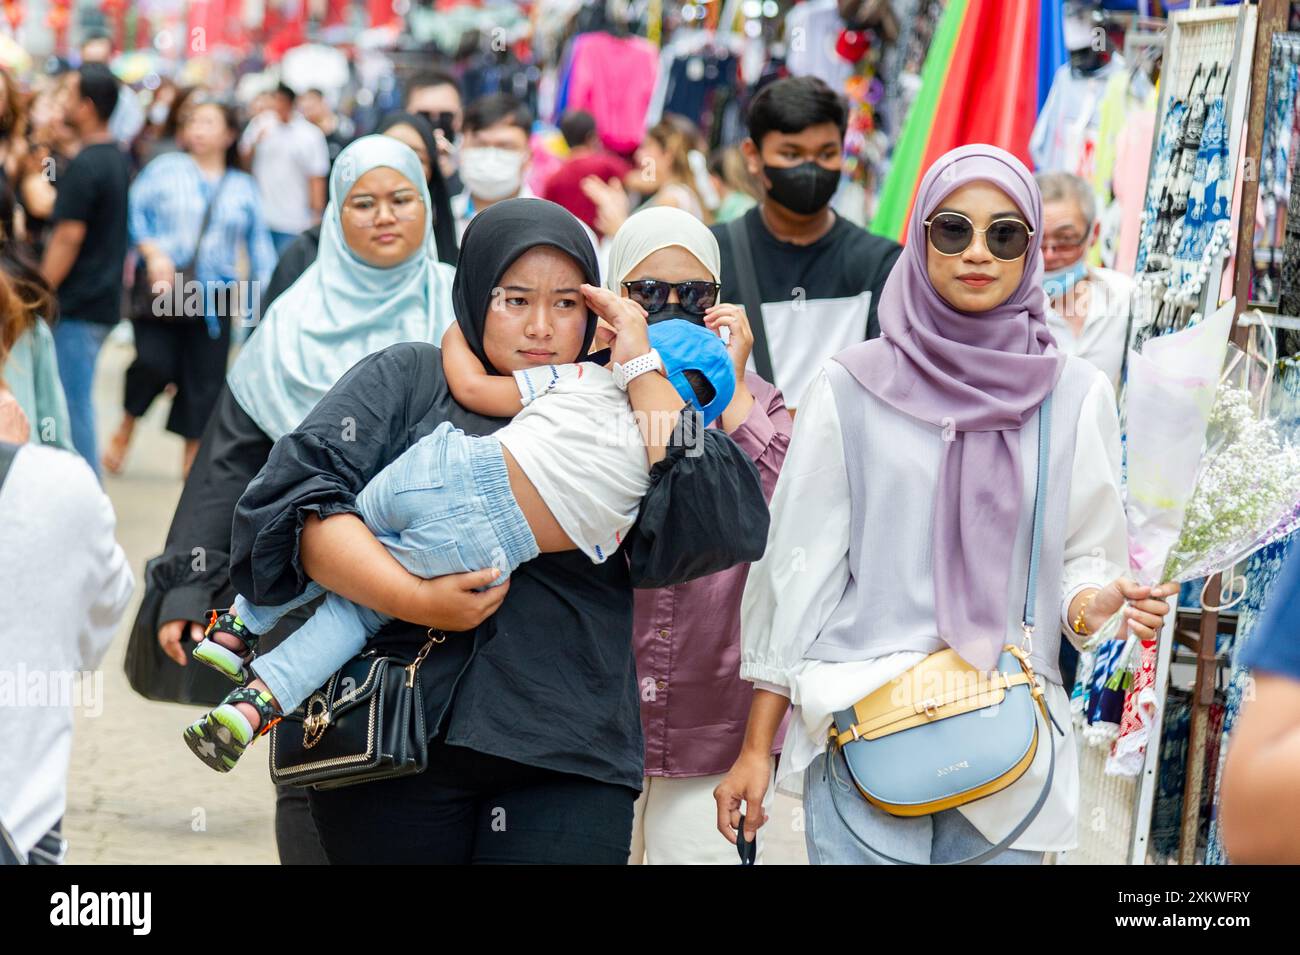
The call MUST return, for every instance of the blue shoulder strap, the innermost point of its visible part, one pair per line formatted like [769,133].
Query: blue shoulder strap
[1040,504]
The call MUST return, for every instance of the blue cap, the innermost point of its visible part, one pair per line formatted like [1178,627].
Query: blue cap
[683,346]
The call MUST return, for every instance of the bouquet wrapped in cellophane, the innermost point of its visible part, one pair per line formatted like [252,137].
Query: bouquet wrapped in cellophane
[1211,479]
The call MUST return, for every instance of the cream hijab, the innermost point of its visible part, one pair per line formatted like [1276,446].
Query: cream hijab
[661,227]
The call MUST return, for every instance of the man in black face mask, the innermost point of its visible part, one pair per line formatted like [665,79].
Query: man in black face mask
[817,276]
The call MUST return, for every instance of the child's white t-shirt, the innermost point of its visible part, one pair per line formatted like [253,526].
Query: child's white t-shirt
[582,450]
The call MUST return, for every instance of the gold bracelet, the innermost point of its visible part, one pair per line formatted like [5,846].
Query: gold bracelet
[1079,626]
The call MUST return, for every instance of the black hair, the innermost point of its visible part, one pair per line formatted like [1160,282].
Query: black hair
[703,388]
[285,90]
[495,108]
[313,91]
[426,78]
[792,105]
[577,126]
[97,83]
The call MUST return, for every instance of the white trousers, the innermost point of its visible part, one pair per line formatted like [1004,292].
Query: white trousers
[675,822]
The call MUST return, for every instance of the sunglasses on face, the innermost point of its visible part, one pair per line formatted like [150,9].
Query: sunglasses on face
[951,233]
[652,294]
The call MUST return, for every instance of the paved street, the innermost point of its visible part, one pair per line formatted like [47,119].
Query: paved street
[135,794]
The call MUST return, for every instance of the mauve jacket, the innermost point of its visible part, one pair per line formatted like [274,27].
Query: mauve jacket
[687,637]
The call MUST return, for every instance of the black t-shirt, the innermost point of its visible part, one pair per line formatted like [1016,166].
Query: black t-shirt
[93,190]
[813,295]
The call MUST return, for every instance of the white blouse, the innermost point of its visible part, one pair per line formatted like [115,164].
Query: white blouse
[793,589]
[1102,339]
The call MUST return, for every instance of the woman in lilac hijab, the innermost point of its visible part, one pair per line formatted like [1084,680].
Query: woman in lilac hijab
[902,521]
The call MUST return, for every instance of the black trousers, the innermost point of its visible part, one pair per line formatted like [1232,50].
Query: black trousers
[471,808]
[178,352]
[295,832]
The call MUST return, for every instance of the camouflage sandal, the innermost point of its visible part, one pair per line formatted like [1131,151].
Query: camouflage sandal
[220,737]
[231,664]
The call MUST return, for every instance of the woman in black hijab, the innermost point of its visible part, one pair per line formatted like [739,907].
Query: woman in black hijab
[537,706]
[416,132]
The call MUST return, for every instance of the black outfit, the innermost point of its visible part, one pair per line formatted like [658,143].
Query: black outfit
[291,264]
[846,261]
[336,142]
[93,190]
[472,809]
[178,351]
[549,681]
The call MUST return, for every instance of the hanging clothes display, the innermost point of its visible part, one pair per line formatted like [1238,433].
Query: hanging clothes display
[1276,168]
[612,78]
[1066,134]
[812,30]
[700,77]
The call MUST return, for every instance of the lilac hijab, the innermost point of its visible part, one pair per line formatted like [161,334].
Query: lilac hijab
[980,376]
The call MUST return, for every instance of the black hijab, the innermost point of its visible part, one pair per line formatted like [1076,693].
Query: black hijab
[444,221]
[494,239]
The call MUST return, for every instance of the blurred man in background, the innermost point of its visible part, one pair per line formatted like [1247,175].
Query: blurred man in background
[290,160]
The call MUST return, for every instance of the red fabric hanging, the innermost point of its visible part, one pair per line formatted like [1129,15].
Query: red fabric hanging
[990,94]
[382,13]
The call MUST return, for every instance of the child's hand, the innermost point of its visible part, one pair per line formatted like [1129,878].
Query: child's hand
[631,336]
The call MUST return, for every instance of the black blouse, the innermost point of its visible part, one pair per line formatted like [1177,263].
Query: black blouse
[550,679]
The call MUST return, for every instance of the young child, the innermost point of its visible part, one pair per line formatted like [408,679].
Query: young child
[568,471]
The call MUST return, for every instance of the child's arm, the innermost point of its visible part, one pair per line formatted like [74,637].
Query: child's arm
[496,396]
[653,397]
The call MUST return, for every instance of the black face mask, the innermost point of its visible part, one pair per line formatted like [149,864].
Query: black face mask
[804,188]
[671,311]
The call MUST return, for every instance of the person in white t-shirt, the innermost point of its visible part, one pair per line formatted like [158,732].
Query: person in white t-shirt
[290,160]
[568,472]
[1089,306]
[58,551]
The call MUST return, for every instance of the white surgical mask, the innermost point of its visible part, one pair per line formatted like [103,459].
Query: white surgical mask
[158,113]
[491,173]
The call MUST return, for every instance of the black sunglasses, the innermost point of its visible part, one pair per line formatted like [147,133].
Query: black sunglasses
[951,233]
[652,294]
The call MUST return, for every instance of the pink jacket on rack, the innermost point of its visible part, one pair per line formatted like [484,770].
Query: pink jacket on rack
[613,79]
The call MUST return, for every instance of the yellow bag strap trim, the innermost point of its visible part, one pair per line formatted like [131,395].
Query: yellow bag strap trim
[931,705]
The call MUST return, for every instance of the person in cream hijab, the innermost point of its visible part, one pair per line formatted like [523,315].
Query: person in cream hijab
[687,637]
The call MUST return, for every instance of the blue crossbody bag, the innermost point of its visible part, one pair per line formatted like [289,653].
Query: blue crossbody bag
[945,734]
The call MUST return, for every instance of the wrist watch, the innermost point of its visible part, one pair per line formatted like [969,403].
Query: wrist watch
[642,364]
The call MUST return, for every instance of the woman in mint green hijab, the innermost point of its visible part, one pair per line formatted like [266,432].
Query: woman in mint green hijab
[376,281]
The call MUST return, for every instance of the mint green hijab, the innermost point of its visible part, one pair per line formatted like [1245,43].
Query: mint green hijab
[341,308]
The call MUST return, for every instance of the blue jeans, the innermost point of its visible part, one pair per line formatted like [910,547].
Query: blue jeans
[76,345]
[443,507]
[942,837]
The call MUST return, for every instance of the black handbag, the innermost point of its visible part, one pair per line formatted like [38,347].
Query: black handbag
[368,722]
[142,294]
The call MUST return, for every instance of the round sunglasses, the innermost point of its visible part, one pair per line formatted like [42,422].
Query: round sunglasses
[652,294]
[951,233]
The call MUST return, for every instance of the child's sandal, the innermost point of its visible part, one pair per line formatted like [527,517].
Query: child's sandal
[232,664]
[220,736]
